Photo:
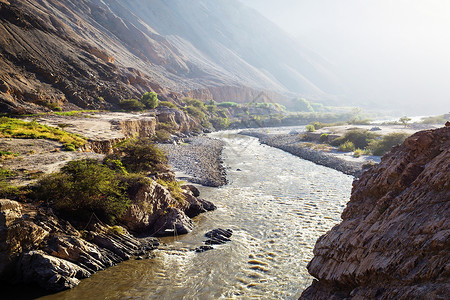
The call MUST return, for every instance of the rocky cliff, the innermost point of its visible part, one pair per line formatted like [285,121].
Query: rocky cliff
[92,54]
[394,240]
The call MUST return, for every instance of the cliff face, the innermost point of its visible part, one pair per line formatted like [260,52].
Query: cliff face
[92,53]
[394,239]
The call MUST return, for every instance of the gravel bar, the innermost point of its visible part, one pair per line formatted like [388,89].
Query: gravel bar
[199,158]
[290,143]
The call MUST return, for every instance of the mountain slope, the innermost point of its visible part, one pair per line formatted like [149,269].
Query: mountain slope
[92,53]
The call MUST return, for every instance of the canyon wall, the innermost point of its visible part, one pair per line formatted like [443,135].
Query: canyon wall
[394,240]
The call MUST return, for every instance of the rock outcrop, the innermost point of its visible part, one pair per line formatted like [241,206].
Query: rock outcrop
[36,246]
[394,240]
[154,211]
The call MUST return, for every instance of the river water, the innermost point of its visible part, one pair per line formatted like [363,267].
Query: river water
[277,206]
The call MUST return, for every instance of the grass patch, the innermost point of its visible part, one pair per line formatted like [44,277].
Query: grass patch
[74,112]
[174,188]
[15,128]
[7,155]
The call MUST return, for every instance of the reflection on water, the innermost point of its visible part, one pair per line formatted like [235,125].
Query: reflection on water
[276,204]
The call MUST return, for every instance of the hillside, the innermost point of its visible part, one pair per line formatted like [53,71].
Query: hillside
[91,53]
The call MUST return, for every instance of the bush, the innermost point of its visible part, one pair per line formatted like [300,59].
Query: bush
[168,126]
[323,137]
[82,188]
[131,105]
[167,104]
[360,138]
[347,146]
[195,112]
[301,104]
[227,104]
[310,128]
[140,155]
[220,123]
[358,152]
[150,100]
[383,145]
[194,102]
[162,135]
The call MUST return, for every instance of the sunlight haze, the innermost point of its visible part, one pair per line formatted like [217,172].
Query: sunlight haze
[390,53]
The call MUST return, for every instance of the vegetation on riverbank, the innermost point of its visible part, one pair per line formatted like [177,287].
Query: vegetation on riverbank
[15,128]
[85,187]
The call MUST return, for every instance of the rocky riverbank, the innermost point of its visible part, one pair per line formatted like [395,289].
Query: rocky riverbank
[198,159]
[40,246]
[291,143]
[394,238]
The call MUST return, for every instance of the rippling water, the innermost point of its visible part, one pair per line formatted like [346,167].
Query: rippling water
[276,204]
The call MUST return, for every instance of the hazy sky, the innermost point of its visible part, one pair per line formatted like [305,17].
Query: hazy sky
[393,52]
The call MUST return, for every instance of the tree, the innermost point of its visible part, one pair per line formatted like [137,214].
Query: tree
[131,105]
[404,120]
[150,100]
[301,104]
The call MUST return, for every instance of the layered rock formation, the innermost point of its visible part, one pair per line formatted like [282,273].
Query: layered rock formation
[394,240]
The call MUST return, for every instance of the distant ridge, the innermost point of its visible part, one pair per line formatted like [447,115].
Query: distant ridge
[92,53]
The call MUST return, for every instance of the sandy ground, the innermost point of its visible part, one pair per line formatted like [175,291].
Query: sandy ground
[94,126]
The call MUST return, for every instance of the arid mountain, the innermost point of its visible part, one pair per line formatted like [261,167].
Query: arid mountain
[92,53]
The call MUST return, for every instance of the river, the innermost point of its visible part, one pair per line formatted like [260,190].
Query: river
[277,206]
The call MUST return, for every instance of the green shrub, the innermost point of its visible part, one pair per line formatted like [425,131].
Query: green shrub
[195,112]
[383,145]
[347,146]
[220,123]
[162,135]
[194,102]
[69,147]
[360,138]
[323,137]
[301,104]
[227,104]
[169,127]
[131,105]
[167,104]
[140,155]
[358,152]
[150,100]
[8,190]
[82,188]
[310,128]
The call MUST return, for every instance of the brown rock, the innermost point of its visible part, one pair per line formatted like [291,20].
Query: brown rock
[394,238]
[49,272]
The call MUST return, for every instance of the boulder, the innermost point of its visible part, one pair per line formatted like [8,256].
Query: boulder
[218,236]
[197,206]
[17,234]
[49,272]
[173,222]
